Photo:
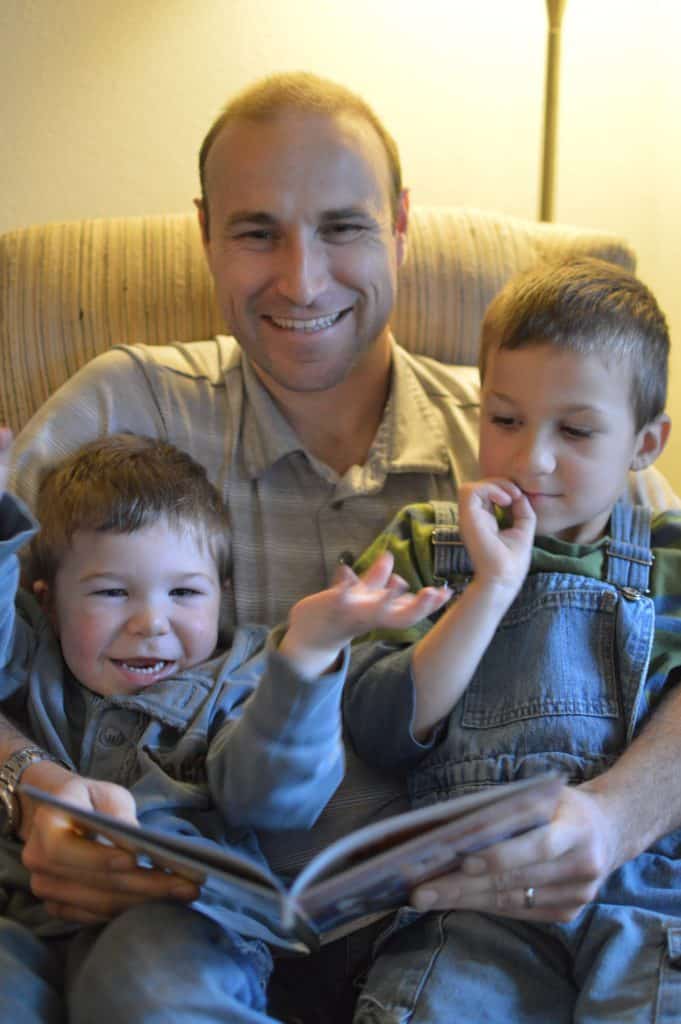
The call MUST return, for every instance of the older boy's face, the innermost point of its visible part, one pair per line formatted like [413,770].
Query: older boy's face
[560,425]
[304,246]
[132,609]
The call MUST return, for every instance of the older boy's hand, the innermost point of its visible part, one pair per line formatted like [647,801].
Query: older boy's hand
[500,554]
[322,624]
[78,879]
[5,452]
[547,874]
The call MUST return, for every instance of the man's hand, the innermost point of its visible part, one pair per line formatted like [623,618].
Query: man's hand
[77,878]
[564,863]
[500,555]
[322,624]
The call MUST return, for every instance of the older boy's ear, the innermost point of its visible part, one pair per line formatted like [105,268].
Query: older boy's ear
[651,441]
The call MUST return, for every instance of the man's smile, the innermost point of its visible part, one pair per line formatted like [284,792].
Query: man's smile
[307,326]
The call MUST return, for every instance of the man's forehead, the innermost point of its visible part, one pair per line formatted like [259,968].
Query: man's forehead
[336,159]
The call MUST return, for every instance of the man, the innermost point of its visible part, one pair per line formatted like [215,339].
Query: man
[317,429]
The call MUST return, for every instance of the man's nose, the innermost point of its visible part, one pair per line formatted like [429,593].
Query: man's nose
[303,270]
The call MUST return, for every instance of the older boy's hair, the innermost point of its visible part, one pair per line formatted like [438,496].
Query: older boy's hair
[124,483]
[307,94]
[589,306]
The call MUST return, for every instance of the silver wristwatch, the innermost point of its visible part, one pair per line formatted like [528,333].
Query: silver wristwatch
[10,776]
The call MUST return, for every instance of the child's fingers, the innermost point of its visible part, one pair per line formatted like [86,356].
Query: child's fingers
[378,575]
[6,437]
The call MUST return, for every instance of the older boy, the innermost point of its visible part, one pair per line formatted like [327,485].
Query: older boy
[550,656]
[114,672]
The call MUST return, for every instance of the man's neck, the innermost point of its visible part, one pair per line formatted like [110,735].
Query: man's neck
[338,425]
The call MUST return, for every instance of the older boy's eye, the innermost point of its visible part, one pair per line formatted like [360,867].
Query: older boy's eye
[577,433]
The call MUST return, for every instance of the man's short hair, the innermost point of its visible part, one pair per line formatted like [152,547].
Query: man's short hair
[589,306]
[121,484]
[306,93]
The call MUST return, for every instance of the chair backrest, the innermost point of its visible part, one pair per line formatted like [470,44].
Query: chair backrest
[70,291]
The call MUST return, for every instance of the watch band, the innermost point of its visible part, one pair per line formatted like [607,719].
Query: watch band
[10,777]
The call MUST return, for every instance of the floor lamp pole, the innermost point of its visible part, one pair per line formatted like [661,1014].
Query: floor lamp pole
[555,10]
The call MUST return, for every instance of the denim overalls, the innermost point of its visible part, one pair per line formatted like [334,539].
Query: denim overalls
[561,686]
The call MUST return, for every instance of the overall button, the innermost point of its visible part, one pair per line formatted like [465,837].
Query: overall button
[346,558]
[111,737]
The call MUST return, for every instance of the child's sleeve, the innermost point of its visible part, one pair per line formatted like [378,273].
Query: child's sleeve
[277,756]
[378,703]
[17,631]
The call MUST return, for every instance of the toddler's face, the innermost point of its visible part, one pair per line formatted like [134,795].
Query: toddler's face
[560,425]
[132,609]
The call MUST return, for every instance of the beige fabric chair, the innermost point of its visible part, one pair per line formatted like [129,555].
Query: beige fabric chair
[70,291]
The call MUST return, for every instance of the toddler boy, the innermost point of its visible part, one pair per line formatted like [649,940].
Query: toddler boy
[111,666]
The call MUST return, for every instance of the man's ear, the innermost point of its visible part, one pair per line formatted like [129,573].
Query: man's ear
[203,219]
[651,441]
[401,225]
[43,596]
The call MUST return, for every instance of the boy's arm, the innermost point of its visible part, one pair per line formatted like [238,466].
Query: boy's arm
[278,759]
[445,660]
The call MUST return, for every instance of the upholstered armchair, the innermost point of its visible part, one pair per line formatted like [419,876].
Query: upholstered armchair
[70,291]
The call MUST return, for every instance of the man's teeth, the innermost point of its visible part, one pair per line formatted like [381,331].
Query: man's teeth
[320,323]
[144,669]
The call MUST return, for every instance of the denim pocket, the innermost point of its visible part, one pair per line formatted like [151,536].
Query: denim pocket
[553,654]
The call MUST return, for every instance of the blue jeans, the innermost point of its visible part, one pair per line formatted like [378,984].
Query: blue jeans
[160,963]
[614,964]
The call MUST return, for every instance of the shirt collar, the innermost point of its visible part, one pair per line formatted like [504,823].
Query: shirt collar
[410,437]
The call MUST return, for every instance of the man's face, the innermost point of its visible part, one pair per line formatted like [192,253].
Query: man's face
[302,245]
[560,425]
[132,609]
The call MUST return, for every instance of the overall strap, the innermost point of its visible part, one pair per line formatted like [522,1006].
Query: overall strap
[449,555]
[629,557]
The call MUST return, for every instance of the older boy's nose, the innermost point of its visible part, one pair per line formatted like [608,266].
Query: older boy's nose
[536,457]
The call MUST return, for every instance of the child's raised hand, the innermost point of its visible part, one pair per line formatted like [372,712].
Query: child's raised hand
[500,554]
[5,453]
[322,624]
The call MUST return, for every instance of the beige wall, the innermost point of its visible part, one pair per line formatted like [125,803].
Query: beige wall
[104,106]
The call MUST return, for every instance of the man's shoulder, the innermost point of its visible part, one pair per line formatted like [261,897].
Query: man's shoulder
[206,360]
[442,379]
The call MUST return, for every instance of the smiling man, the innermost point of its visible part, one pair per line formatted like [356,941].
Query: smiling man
[316,428]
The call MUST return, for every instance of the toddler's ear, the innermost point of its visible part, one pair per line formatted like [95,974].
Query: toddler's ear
[651,441]
[43,596]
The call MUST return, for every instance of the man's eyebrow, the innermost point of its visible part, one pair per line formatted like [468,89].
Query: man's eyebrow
[250,217]
[345,213]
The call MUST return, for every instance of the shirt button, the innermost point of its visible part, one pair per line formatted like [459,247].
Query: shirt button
[111,737]
[346,558]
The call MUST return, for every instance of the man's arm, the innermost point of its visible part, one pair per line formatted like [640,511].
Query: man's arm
[598,827]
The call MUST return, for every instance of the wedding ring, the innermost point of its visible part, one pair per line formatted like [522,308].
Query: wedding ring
[530,897]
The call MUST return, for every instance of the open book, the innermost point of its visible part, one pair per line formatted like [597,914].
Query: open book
[356,878]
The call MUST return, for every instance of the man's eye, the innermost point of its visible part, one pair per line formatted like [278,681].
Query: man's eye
[343,231]
[255,238]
